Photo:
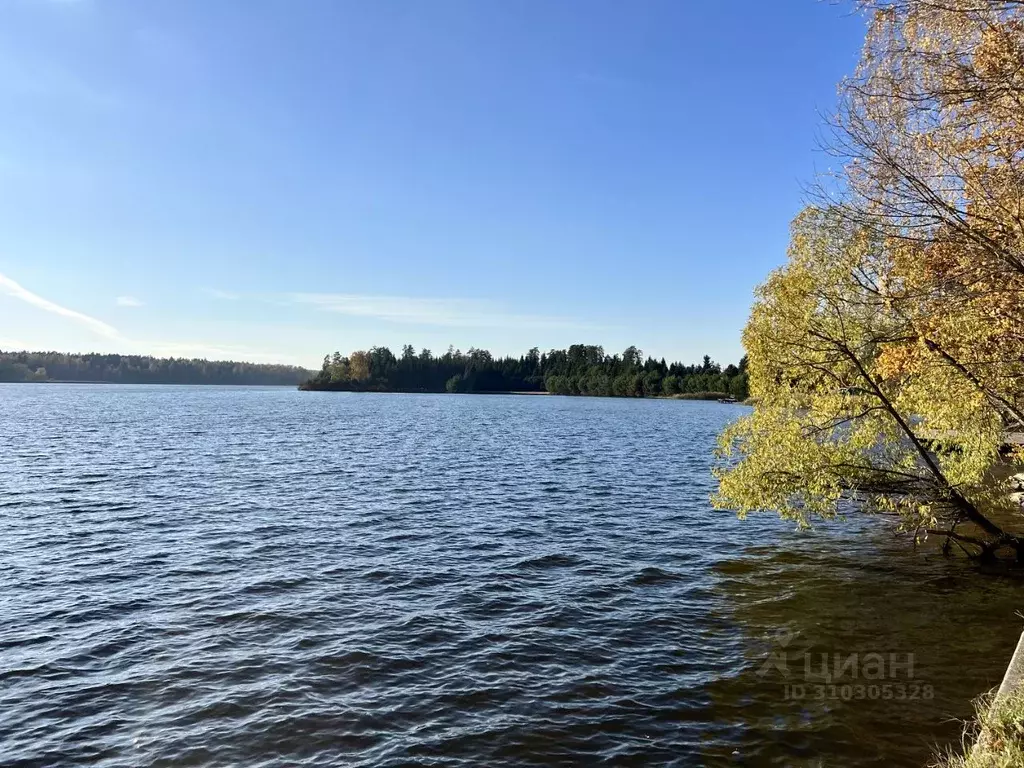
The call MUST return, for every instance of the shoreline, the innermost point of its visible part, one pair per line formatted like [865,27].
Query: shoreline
[702,396]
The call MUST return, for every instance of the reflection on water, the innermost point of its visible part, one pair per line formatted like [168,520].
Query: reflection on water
[217,576]
[909,640]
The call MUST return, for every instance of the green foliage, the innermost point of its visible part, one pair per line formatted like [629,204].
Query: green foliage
[558,385]
[886,356]
[582,369]
[738,386]
[845,413]
[999,733]
[652,383]
[138,369]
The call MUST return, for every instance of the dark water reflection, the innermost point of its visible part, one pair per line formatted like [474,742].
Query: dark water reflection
[948,630]
[266,577]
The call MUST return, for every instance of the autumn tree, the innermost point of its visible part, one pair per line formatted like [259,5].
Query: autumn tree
[359,365]
[837,422]
[887,355]
[931,140]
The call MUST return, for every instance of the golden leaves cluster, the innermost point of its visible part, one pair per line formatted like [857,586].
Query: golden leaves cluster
[887,355]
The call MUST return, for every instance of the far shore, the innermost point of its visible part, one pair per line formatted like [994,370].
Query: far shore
[148,383]
[704,396]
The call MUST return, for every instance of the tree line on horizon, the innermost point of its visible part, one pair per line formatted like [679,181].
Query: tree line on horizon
[582,369]
[142,369]
[887,354]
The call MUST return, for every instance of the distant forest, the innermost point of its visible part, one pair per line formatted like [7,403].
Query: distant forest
[582,369]
[136,369]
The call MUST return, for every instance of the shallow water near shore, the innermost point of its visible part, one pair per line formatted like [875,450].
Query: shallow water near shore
[247,576]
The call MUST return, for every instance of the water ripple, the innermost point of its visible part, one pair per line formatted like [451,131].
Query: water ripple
[216,576]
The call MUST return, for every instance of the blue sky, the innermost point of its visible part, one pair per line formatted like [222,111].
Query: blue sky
[275,179]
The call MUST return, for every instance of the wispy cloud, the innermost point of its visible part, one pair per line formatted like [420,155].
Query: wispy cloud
[12,288]
[420,311]
[116,342]
[216,293]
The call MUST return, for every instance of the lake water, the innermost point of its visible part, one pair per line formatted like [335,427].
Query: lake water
[220,576]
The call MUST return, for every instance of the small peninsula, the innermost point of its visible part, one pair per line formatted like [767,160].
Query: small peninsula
[582,369]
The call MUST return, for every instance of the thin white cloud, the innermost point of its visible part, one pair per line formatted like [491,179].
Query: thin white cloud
[115,342]
[419,311]
[12,288]
[216,293]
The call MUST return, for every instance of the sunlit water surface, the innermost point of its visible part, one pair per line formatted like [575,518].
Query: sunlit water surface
[219,576]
